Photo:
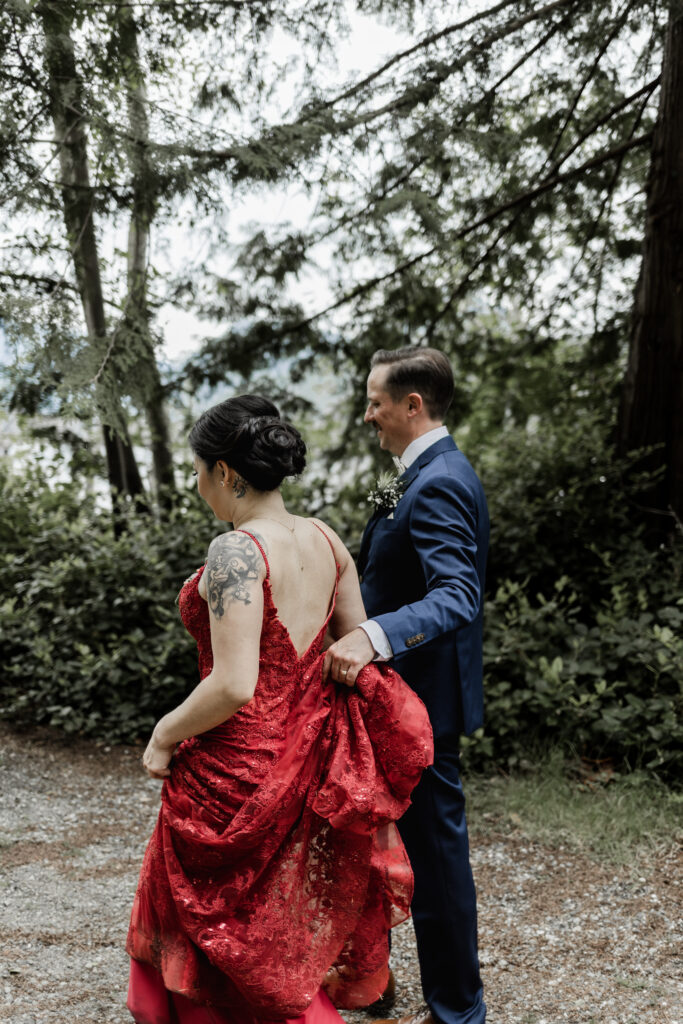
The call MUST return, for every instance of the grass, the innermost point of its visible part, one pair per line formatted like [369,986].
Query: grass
[628,818]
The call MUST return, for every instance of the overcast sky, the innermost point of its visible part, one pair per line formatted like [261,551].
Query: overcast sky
[364,49]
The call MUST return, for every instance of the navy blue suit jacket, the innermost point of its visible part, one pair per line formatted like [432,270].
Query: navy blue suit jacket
[422,579]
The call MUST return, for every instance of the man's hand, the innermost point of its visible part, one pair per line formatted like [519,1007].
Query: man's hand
[345,658]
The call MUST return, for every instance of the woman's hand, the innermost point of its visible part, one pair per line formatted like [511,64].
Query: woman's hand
[156,758]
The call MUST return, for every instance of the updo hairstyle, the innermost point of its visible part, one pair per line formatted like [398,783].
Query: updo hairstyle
[248,434]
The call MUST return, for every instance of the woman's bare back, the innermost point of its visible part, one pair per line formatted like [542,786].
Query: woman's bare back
[303,559]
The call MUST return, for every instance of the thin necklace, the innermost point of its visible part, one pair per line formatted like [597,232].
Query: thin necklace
[291,529]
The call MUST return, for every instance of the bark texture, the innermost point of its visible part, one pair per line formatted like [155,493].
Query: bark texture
[142,213]
[78,202]
[651,412]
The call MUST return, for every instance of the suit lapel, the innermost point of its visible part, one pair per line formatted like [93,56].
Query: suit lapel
[367,535]
[445,444]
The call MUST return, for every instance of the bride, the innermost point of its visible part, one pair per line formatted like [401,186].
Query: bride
[275,869]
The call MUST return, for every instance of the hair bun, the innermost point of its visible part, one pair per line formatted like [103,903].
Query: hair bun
[248,434]
[268,449]
[278,442]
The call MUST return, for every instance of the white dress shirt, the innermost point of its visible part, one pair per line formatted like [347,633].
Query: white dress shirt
[376,635]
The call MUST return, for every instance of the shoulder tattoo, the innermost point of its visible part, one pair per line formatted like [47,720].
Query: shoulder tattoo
[232,570]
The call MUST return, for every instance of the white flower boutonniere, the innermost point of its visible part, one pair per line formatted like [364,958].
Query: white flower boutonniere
[386,493]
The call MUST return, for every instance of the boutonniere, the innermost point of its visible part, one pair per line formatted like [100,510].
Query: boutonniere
[386,493]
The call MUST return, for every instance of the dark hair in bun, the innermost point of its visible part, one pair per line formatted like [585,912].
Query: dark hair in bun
[248,434]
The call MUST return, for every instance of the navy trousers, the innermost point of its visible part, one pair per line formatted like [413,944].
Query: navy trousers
[444,906]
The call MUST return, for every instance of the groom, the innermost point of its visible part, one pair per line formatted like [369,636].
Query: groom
[422,576]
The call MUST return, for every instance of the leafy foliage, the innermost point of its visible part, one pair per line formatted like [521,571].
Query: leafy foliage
[501,153]
[583,641]
[607,689]
[90,635]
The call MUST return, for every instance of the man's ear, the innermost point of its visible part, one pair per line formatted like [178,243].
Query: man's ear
[415,403]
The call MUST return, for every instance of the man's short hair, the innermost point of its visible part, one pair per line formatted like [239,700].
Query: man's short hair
[423,370]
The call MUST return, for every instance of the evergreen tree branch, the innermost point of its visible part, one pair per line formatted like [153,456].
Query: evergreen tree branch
[397,182]
[588,77]
[551,183]
[422,44]
[606,202]
[465,280]
[238,151]
[359,290]
[646,90]
[43,109]
[522,199]
[365,211]
[292,138]
[506,228]
[30,74]
[292,142]
[47,284]
[526,57]
[424,92]
[44,281]
[235,5]
[27,187]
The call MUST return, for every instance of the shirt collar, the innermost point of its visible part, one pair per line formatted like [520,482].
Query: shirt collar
[421,444]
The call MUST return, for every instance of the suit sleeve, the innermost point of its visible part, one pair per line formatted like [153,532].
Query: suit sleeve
[443,531]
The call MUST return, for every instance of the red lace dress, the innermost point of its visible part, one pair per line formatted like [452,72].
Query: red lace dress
[275,869]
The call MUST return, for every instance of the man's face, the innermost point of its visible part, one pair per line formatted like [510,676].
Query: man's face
[389,418]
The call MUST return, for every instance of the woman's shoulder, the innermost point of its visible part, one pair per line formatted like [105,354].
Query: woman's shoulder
[235,570]
[341,552]
[249,546]
[332,536]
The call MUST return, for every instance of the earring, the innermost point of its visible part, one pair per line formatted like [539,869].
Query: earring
[222,483]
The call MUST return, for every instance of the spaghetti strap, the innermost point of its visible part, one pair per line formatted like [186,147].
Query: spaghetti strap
[260,547]
[329,542]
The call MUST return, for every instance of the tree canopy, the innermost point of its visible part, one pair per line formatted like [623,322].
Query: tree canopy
[94,148]
[494,187]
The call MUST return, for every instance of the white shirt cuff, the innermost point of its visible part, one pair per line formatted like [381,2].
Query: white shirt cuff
[379,640]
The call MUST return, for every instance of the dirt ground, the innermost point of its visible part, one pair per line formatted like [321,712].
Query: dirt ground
[563,938]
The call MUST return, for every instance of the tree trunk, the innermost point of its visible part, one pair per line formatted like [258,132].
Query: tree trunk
[651,412]
[144,208]
[78,200]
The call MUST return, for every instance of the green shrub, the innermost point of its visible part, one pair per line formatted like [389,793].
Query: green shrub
[607,689]
[560,506]
[90,635]
[583,645]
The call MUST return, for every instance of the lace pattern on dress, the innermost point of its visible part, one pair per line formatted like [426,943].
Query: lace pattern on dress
[275,854]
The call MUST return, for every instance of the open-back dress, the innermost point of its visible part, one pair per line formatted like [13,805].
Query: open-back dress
[275,869]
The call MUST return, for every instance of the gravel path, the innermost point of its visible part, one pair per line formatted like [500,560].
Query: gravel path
[562,937]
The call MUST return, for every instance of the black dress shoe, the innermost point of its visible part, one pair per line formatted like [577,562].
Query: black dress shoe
[382,1005]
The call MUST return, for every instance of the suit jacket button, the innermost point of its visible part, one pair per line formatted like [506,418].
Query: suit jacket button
[360,578]
[412,640]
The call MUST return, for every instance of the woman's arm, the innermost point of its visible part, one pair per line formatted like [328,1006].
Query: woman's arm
[234,576]
[349,609]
